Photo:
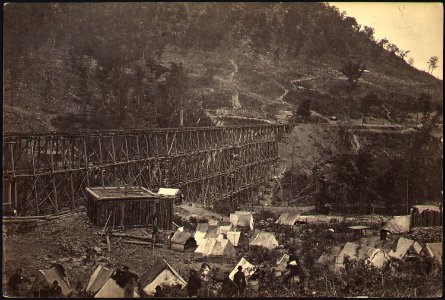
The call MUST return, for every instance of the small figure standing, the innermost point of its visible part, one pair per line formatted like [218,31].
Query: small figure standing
[240,280]
[194,284]
[228,288]
[15,282]
[159,292]
[56,290]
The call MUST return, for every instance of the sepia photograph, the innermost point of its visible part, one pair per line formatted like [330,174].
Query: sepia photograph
[222,150]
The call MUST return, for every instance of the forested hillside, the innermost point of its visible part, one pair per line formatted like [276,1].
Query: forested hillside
[120,65]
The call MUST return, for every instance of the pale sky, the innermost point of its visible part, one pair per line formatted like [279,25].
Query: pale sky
[417,27]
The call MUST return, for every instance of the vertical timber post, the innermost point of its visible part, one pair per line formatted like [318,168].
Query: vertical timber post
[56,204]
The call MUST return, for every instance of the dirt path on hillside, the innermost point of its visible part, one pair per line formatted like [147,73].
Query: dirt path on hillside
[280,98]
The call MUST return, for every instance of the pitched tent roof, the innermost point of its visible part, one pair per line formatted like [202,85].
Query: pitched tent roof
[160,273]
[224,229]
[234,237]
[53,274]
[248,268]
[350,249]
[287,218]
[214,247]
[433,250]
[98,279]
[168,192]
[113,290]
[200,237]
[181,237]
[404,245]
[265,240]
[242,219]
[398,224]
[378,258]
[282,263]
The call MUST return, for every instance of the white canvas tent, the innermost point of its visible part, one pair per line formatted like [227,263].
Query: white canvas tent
[97,280]
[374,256]
[110,289]
[200,237]
[50,275]
[404,248]
[398,224]
[160,273]
[264,239]
[378,258]
[248,268]
[234,237]
[224,229]
[242,219]
[287,218]
[433,250]
[349,250]
[281,265]
[216,249]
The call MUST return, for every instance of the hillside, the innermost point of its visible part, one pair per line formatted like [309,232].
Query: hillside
[71,66]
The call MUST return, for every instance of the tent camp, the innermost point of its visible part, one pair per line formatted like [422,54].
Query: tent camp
[234,237]
[264,239]
[426,215]
[98,279]
[215,249]
[248,268]
[46,278]
[405,248]
[398,224]
[287,218]
[242,219]
[113,286]
[199,237]
[182,241]
[433,250]
[160,273]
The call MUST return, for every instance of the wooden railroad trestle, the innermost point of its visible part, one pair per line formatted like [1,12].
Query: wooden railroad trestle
[211,165]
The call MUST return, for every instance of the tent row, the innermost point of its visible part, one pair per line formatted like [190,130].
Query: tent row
[403,250]
[105,283]
[420,216]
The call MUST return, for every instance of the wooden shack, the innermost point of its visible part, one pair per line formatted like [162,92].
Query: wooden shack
[425,216]
[128,207]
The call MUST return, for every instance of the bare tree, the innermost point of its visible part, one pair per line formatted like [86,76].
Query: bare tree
[411,61]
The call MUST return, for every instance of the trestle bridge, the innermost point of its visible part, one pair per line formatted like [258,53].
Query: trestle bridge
[215,166]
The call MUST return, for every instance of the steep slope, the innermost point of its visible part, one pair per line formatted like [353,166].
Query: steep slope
[135,65]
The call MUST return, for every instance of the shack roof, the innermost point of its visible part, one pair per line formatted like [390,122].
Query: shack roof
[121,192]
[287,218]
[422,208]
[168,192]
[181,237]
[359,227]
[398,224]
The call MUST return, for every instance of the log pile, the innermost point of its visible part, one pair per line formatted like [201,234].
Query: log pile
[427,234]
